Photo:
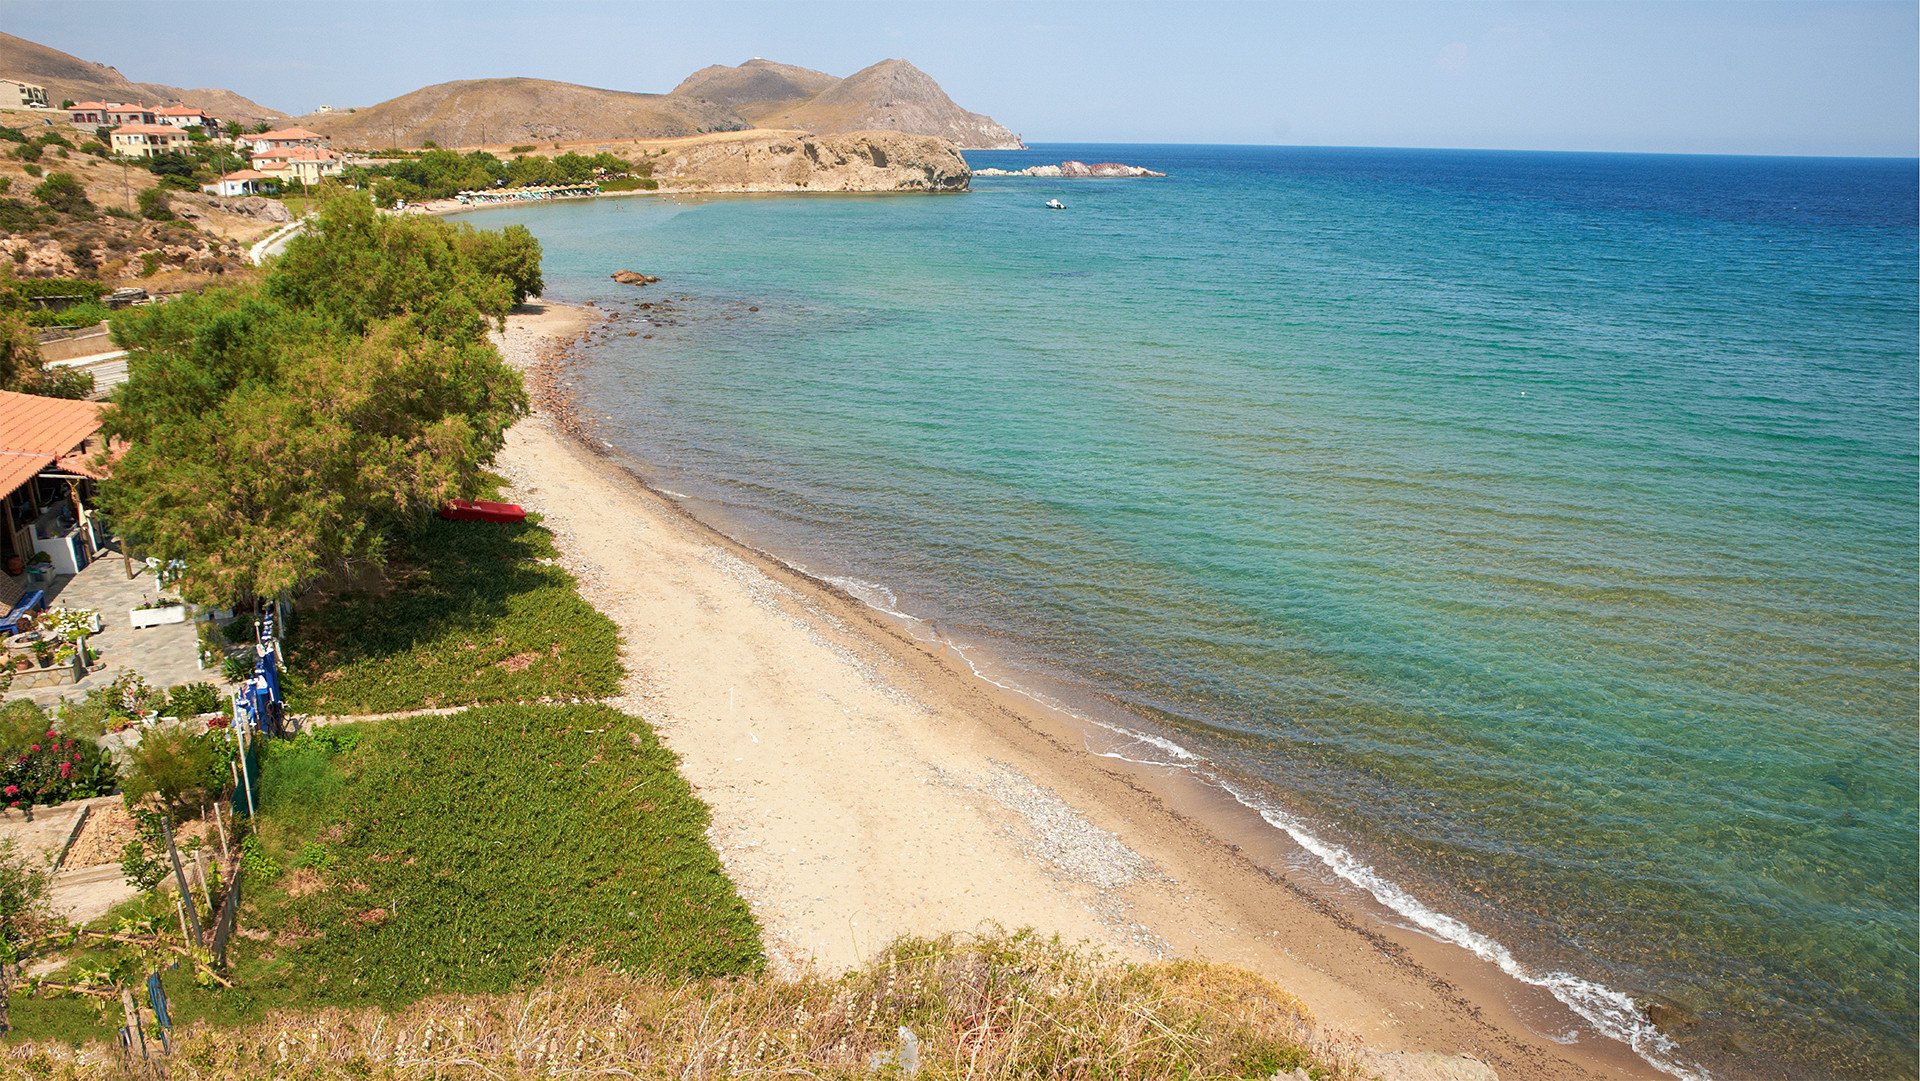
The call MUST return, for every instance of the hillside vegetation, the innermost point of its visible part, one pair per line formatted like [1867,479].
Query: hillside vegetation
[987,1008]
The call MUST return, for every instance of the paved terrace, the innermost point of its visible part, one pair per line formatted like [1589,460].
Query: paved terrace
[165,656]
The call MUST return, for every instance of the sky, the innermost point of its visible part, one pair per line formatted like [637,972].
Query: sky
[1672,76]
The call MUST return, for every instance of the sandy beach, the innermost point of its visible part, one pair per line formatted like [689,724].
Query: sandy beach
[866,785]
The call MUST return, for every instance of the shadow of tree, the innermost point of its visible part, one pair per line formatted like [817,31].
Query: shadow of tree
[472,613]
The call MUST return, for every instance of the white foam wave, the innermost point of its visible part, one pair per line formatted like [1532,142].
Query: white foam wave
[1613,1013]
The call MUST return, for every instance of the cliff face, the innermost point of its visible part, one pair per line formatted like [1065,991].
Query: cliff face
[859,161]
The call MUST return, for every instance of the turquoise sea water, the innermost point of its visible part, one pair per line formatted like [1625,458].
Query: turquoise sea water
[1535,533]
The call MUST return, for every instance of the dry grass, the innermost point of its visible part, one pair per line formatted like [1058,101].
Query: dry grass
[1001,1006]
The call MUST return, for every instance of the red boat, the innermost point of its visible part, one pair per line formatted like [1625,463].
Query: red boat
[468,510]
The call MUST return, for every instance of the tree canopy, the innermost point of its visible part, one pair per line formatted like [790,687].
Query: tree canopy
[280,431]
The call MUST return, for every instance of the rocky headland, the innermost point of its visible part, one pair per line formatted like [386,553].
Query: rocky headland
[859,161]
[1075,170]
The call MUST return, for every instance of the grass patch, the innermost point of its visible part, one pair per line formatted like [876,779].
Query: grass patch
[475,613]
[991,1008]
[461,854]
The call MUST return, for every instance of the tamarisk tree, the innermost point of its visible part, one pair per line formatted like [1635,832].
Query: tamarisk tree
[281,431]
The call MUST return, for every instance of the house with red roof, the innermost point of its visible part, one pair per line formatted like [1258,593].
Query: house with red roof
[300,164]
[187,118]
[148,140]
[109,113]
[47,472]
[287,139]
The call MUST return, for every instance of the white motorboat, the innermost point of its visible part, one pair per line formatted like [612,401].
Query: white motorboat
[1055,204]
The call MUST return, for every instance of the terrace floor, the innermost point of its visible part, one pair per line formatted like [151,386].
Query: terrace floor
[165,656]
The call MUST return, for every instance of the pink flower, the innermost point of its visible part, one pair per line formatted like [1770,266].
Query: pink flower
[51,733]
[35,748]
[12,790]
[66,769]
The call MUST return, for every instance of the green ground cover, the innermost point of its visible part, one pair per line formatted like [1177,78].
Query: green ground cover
[474,613]
[406,858]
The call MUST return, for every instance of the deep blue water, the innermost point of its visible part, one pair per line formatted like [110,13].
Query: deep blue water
[1537,533]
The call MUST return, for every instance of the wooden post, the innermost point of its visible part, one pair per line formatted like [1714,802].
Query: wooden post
[225,850]
[191,913]
[200,869]
[136,1039]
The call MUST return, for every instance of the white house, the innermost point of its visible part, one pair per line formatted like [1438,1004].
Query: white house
[237,183]
[180,116]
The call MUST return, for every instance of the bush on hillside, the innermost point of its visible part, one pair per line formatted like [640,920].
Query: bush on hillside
[64,192]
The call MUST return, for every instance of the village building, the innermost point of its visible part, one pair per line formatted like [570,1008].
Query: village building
[15,94]
[240,182]
[190,119]
[148,140]
[109,114]
[300,164]
[288,139]
[46,481]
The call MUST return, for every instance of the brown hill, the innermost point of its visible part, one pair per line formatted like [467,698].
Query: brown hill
[68,76]
[471,112]
[893,95]
[756,88]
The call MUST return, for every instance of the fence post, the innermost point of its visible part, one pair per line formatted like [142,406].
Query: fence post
[180,877]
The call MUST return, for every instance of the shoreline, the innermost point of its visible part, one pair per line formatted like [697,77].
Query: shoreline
[899,791]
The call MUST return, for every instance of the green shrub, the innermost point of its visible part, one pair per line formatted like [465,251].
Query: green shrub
[49,768]
[237,668]
[239,630]
[35,171]
[632,183]
[144,862]
[27,152]
[176,767]
[58,287]
[526,148]
[256,863]
[153,205]
[192,699]
[76,315]
[12,135]
[64,192]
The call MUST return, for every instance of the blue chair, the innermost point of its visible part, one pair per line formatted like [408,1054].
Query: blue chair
[28,605]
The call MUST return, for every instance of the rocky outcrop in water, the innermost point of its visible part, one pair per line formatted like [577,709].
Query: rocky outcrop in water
[633,277]
[1075,170]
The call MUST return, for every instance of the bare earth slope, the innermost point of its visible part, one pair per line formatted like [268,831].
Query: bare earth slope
[68,76]
[471,112]
[892,95]
[755,89]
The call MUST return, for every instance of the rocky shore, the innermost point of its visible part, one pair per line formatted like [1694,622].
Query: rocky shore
[1075,170]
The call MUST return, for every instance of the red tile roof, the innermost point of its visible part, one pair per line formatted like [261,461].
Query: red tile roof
[147,129]
[288,134]
[36,431]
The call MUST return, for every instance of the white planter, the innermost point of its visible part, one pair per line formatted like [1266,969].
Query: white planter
[154,617]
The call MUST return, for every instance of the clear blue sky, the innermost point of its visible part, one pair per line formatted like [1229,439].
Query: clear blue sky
[1791,78]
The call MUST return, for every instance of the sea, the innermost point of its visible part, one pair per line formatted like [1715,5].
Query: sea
[1534,538]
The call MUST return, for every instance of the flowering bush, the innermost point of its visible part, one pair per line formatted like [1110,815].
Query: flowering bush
[54,769]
